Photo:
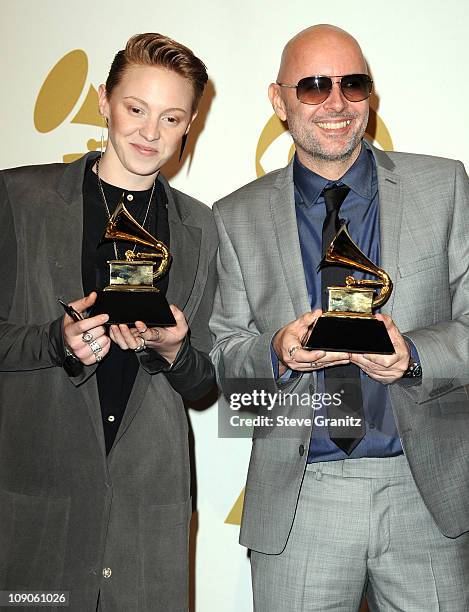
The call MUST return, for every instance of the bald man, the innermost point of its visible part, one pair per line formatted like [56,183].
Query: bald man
[380,506]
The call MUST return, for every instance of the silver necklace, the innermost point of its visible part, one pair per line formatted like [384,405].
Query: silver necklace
[109,212]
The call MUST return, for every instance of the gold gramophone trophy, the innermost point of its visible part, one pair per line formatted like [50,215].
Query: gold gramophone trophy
[130,295]
[349,324]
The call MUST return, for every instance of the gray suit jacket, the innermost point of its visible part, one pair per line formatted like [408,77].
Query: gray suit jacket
[66,510]
[424,224]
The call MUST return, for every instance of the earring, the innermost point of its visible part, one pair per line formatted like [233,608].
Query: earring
[183,146]
[105,125]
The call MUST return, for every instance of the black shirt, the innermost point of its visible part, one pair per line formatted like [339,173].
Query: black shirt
[116,373]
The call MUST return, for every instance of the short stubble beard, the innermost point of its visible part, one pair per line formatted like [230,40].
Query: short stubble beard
[312,147]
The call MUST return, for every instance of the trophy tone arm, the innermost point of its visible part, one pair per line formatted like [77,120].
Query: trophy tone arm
[163,254]
[385,283]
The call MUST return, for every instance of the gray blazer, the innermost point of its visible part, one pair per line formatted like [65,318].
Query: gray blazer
[66,510]
[424,225]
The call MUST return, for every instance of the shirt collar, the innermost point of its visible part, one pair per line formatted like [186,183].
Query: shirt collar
[359,178]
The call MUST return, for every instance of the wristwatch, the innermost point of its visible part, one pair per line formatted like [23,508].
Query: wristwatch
[414,370]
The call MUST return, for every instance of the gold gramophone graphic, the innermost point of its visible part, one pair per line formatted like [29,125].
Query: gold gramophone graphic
[62,91]
[131,295]
[349,324]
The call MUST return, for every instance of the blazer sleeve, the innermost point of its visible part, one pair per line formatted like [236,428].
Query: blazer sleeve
[241,351]
[443,348]
[192,374]
[22,347]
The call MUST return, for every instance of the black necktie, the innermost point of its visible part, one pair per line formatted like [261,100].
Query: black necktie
[340,381]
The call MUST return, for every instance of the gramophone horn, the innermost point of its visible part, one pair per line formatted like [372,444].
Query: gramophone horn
[344,252]
[122,226]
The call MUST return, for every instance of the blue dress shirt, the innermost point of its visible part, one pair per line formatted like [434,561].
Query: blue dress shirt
[361,210]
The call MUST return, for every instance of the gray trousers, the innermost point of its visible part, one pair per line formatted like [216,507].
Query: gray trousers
[361,528]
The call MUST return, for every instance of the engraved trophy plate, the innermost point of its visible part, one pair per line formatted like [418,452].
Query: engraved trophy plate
[135,276]
[343,299]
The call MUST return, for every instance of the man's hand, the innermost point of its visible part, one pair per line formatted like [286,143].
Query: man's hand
[386,368]
[287,344]
[86,339]
[166,340]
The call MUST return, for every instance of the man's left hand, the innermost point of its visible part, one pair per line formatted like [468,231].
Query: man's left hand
[385,368]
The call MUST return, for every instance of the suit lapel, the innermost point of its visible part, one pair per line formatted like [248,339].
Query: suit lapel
[70,239]
[390,214]
[70,285]
[187,264]
[185,250]
[282,207]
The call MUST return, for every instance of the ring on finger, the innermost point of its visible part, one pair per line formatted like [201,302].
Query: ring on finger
[95,346]
[292,350]
[141,346]
[87,337]
[98,357]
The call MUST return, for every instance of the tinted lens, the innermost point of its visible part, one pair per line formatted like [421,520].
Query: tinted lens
[314,89]
[356,87]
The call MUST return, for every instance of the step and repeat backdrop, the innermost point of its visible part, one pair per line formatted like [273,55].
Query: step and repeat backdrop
[54,55]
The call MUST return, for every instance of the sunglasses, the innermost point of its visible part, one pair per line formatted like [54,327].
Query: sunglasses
[316,89]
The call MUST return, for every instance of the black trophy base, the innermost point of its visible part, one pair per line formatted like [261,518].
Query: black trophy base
[350,335]
[151,307]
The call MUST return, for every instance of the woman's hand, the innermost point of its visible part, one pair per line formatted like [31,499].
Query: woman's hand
[165,340]
[86,339]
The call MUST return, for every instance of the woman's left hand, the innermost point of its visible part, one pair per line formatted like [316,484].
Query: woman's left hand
[166,340]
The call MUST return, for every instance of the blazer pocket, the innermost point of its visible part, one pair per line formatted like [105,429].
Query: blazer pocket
[435,261]
[35,531]
[456,402]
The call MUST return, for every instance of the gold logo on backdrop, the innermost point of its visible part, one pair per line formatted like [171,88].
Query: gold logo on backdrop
[273,129]
[234,515]
[376,131]
[59,96]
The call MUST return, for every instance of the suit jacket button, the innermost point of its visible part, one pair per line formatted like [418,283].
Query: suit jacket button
[301,450]
[107,572]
